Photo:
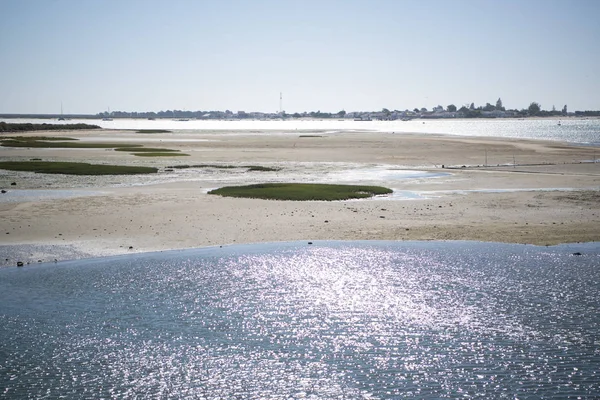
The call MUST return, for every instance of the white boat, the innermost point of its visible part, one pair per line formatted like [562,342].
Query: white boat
[61,118]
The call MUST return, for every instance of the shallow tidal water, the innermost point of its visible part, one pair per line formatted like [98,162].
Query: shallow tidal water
[585,131]
[343,320]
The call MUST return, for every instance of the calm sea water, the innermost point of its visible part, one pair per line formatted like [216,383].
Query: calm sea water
[583,131]
[343,320]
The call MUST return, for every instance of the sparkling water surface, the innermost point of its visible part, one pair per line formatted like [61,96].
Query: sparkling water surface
[585,131]
[343,320]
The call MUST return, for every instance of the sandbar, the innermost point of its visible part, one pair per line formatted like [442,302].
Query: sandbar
[446,188]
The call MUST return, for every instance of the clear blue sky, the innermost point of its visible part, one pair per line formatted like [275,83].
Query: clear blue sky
[322,54]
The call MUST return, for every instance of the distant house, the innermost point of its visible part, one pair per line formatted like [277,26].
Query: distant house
[441,114]
[494,114]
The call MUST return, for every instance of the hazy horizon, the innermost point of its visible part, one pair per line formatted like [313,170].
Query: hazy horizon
[327,56]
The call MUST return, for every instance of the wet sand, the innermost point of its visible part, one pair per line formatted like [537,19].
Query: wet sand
[501,190]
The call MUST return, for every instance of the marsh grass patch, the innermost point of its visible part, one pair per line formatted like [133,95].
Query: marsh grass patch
[25,127]
[153,131]
[302,191]
[58,144]
[258,168]
[160,154]
[34,138]
[145,150]
[74,168]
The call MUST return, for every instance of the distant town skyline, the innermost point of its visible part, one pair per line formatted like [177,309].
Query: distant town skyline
[150,55]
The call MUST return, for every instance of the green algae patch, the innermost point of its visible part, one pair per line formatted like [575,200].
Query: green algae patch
[301,191]
[73,168]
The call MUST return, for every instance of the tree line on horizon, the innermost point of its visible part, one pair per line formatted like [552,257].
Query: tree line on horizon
[534,109]
[466,111]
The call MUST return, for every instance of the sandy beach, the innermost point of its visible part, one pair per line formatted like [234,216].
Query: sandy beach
[445,188]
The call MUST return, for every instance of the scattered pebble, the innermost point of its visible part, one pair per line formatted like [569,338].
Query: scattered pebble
[19,263]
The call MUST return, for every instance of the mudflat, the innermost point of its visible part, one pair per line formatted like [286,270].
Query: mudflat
[445,188]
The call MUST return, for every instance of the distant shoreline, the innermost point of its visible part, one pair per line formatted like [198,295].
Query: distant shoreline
[68,117]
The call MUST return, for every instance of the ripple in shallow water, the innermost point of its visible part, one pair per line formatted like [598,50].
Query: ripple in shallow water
[331,320]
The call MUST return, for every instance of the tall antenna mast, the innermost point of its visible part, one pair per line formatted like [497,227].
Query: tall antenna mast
[280,103]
